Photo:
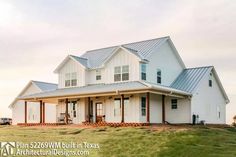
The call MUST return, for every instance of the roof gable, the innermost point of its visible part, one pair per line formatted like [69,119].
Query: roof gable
[41,86]
[189,79]
[79,60]
[142,49]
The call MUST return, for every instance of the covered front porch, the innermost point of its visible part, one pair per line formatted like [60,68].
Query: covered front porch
[127,107]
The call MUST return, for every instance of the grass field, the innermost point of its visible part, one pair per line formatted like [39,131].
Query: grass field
[144,141]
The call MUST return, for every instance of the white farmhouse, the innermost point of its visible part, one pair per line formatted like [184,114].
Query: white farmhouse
[137,83]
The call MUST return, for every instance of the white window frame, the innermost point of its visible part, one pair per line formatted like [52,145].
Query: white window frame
[98,75]
[71,79]
[117,109]
[159,78]
[121,73]
[143,106]
[143,71]
[174,104]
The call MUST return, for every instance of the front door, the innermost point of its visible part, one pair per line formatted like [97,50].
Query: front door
[100,116]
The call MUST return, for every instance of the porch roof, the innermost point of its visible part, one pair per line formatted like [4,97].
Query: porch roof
[106,89]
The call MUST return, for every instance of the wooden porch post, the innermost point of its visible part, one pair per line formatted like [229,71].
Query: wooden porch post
[66,114]
[89,109]
[148,107]
[95,112]
[41,111]
[122,108]
[25,112]
[163,109]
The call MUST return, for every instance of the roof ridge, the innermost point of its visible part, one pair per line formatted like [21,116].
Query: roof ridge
[79,57]
[127,43]
[44,82]
[210,66]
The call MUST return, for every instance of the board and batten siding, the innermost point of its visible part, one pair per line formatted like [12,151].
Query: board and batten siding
[208,101]
[71,66]
[166,60]
[119,59]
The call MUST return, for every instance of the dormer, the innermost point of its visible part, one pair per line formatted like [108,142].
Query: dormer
[71,72]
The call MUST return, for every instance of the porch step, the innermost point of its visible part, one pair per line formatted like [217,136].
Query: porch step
[40,124]
[116,124]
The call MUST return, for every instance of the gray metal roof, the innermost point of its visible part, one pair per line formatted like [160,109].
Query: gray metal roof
[143,49]
[44,86]
[189,78]
[101,88]
[83,61]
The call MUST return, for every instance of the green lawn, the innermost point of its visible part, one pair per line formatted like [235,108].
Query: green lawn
[185,142]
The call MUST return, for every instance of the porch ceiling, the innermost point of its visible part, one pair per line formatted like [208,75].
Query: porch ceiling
[134,87]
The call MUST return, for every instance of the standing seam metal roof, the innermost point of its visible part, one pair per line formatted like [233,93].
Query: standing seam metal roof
[190,78]
[143,49]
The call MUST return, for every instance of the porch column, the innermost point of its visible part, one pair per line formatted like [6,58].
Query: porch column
[89,109]
[163,110]
[25,111]
[148,107]
[41,111]
[95,112]
[122,108]
[66,114]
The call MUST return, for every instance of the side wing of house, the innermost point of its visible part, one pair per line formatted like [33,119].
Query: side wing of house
[209,100]
[166,60]
[33,108]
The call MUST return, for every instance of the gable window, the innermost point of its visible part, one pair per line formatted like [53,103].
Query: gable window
[98,75]
[210,80]
[143,71]
[73,79]
[70,79]
[67,80]
[174,104]
[159,76]
[117,107]
[143,106]
[121,73]
[125,73]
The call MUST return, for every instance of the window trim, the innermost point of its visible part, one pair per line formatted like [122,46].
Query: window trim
[143,108]
[119,111]
[174,104]
[120,73]
[71,79]
[98,75]
[159,74]
[143,71]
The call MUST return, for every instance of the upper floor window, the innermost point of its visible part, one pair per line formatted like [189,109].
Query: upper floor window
[158,76]
[98,75]
[143,71]
[70,79]
[121,73]
[210,80]
[174,103]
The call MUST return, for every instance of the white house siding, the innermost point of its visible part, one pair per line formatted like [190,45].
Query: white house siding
[91,77]
[119,59]
[70,67]
[165,60]
[33,109]
[180,115]
[206,100]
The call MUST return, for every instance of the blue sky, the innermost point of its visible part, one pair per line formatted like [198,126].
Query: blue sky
[35,36]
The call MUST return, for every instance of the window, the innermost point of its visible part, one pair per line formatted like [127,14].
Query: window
[174,104]
[98,75]
[70,79]
[143,71]
[125,73]
[73,79]
[210,80]
[158,76]
[67,80]
[218,111]
[121,73]
[126,104]
[143,106]
[100,109]
[117,107]
[117,74]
